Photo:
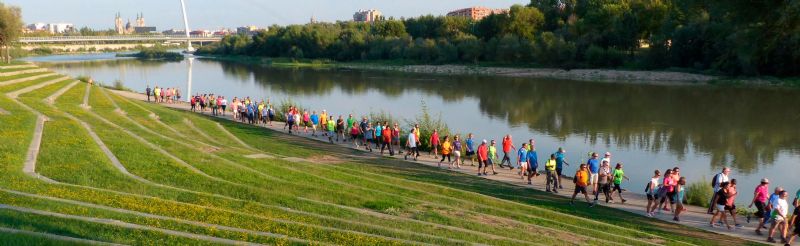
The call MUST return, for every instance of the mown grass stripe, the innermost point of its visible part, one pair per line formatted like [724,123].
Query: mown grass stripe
[55,237]
[33,151]
[15,94]
[23,78]
[126,225]
[52,98]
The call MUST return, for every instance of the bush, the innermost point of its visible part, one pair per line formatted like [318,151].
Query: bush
[699,193]
[427,123]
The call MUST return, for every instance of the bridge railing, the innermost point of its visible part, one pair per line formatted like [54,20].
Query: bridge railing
[117,38]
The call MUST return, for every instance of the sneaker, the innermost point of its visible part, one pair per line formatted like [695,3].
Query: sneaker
[571,203]
[544,191]
[623,201]
[561,187]
[591,205]
[494,173]
[405,158]
[758,232]
[739,226]
[771,240]
[555,191]
[479,174]
[676,219]
[529,182]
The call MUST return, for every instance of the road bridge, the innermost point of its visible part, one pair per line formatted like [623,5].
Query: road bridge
[120,38]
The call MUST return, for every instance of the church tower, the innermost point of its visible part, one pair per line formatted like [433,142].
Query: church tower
[140,20]
[118,27]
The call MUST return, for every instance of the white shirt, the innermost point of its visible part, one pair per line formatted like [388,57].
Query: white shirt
[721,177]
[607,159]
[654,181]
[412,140]
[782,208]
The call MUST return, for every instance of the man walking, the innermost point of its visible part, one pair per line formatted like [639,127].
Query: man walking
[483,157]
[560,161]
[593,166]
[411,143]
[552,174]
[507,147]
[147,92]
[715,182]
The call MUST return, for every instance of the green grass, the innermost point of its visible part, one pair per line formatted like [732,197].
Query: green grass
[18,76]
[356,201]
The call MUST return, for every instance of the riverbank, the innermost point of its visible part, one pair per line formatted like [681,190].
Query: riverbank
[695,216]
[598,75]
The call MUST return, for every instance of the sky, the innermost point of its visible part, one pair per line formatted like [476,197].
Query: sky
[215,14]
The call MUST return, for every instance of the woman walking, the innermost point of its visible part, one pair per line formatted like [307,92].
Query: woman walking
[446,148]
[604,182]
[730,202]
[680,194]
[618,175]
[354,132]
[652,193]
[369,134]
[666,191]
[719,204]
[434,142]
[457,152]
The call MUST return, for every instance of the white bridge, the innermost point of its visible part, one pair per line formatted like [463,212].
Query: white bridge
[120,38]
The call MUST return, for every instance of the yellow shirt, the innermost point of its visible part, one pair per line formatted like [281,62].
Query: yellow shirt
[446,147]
[550,165]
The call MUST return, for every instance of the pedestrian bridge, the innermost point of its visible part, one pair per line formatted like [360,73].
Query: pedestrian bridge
[120,38]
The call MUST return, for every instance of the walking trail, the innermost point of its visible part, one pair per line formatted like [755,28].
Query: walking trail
[694,216]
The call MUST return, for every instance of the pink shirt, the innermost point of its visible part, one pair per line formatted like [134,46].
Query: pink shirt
[762,192]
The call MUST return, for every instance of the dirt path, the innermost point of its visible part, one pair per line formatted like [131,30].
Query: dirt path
[33,151]
[695,216]
[54,237]
[126,225]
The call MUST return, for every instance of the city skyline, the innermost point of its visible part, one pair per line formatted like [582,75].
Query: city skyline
[230,14]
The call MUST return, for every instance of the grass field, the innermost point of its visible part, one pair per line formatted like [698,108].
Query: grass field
[123,171]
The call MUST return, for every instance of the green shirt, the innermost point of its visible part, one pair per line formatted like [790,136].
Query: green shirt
[331,125]
[618,175]
[492,152]
[350,122]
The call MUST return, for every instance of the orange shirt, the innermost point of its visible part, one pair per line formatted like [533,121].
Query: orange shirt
[582,178]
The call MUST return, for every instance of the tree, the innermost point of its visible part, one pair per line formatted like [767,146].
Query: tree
[524,21]
[10,27]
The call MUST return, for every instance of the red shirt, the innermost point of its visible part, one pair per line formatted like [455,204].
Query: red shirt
[506,144]
[435,138]
[386,133]
[483,152]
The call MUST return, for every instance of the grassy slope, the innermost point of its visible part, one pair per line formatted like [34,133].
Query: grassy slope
[359,201]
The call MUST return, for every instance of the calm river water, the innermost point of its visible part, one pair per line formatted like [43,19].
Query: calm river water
[697,128]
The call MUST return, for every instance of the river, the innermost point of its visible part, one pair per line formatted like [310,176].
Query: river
[697,128]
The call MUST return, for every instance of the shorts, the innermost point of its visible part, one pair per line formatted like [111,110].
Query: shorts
[593,179]
[720,208]
[671,197]
[558,171]
[457,153]
[395,139]
[470,153]
[760,211]
[651,197]
[489,162]
[581,189]
[330,133]
[796,228]
[730,208]
[617,187]
[354,136]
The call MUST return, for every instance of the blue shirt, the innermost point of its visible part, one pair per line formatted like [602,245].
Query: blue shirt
[457,145]
[378,130]
[559,160]
[469,145]
[522,154]
[594,165]
[315,119]
[533,159]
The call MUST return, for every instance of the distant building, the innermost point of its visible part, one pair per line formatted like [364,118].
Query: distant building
[174,32]
[246,30]
[37,27]
[144,29]
[367,15]
[477,13]
[201,33]
[60,27]
[129,28]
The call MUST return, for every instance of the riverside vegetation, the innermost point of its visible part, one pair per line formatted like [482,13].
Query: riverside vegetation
[739,38]
[112,169]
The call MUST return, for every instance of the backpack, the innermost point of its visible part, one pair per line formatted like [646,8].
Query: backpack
[714,180]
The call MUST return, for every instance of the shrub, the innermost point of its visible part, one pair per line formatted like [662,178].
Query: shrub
[427,123]
[699,193]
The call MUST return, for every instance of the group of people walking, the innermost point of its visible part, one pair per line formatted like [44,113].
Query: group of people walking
[163,95]
[665,193]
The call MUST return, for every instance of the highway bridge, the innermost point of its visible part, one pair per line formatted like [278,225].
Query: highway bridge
[120,38]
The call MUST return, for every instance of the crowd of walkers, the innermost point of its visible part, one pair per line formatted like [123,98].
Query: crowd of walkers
[163,95]
[665,193]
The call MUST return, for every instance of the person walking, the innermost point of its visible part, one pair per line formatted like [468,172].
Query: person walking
[760,196]
[411,144]
[434,144]
[730,202]
[508,145]
[652,193]
[552,174]
[618,175]
[193,103]
[720,199]
[470,149]
[314,118]
[780,209]
[331,127]
[603,182]
[354,132]
[492,155]
[560,162]
[224,104]
[369,136]
[340,129]
[483,157]
[533,164]
[593,165]
[395,138]
[156,94]
[581,180]
[794,220]
[147,92]
[387,139]
[680,194]
[668,185]
[378,134]
[446,148]
[522,160]
[715,182]
[457,152]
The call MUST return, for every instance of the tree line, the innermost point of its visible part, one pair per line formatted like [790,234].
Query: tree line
[735,37]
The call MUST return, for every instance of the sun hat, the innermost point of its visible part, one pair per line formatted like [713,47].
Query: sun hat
[765,180]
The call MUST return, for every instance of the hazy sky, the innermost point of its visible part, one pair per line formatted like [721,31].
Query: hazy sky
[213,14]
